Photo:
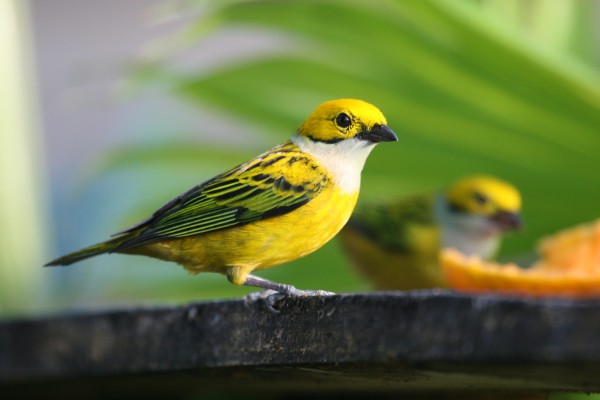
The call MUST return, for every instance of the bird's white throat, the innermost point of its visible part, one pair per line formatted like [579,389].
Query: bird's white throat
[470,234]
[343,160]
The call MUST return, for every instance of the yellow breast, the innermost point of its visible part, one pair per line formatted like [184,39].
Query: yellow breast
[262,244]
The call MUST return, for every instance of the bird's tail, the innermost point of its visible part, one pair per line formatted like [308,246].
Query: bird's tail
[91,251]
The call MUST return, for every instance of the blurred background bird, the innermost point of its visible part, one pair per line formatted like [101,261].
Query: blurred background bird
[275,208]
[396,244]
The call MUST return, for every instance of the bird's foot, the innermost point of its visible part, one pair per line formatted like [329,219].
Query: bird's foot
[271,298]
[276,292]
[268,296]
[292,291]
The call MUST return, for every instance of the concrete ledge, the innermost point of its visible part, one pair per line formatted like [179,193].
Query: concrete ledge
[420,342]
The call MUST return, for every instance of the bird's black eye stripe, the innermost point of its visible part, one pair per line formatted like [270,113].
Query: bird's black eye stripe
[343,120]
[479,198]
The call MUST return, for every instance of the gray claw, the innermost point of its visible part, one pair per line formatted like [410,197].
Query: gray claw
[260,295]
[268,296]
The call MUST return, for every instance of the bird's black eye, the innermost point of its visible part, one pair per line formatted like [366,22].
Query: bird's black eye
[480,199]
[343,120]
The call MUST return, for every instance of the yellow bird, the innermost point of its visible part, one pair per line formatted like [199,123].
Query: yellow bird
[396,244]
[275,208]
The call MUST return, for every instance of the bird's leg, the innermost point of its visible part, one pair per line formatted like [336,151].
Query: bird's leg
[256,281]
[240,275]
[287,290]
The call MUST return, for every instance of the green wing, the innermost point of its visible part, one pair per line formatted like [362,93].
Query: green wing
[272,184]
[390,224]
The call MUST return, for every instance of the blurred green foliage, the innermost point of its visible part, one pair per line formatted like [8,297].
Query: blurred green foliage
[504,87]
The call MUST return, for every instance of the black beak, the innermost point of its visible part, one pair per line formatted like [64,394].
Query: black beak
[379,133]
[507,221]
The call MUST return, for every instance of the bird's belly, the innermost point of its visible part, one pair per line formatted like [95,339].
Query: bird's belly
[264,243]
[390,269]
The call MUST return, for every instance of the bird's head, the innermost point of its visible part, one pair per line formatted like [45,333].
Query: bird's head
[487,203]
[340,134]
[346,119]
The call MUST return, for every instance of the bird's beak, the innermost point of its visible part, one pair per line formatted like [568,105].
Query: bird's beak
[378,133]
[507,221]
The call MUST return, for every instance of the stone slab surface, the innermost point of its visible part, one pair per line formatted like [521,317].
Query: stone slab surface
[420,342]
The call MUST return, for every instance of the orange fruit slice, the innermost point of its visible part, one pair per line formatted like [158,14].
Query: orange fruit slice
[569,267]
